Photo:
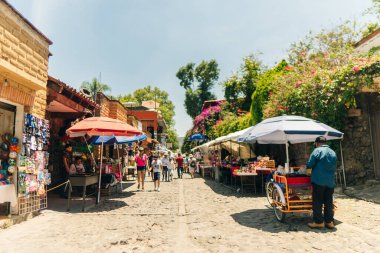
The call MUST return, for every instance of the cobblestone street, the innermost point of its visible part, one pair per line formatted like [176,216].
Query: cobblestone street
[193,215]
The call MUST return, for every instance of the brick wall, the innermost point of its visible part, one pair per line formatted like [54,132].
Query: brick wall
[104,109]
[118,111]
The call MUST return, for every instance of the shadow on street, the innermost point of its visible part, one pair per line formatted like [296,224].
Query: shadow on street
[265,220]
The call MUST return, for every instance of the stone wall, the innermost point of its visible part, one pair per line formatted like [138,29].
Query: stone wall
[24,55]
[357,150]
[356,146]
[22,47]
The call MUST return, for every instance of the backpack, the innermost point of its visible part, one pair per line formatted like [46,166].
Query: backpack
[192,163]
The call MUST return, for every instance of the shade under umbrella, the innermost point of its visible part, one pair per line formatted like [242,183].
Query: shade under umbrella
[102,126]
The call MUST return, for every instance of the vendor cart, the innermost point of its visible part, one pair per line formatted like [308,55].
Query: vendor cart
[291,195]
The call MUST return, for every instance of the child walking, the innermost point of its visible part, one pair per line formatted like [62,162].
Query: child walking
[157,168]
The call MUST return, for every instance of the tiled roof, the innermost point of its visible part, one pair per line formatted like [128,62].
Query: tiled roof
[73,91]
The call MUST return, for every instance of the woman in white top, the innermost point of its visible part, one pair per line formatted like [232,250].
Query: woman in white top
[171,168]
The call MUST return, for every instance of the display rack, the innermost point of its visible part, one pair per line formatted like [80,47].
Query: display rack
[34,202]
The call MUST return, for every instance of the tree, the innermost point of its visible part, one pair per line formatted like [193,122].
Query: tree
[198,81]
[166,106]
[239,87]
[94,87]
[172,138]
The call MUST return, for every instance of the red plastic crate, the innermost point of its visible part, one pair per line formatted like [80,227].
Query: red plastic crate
[298,180]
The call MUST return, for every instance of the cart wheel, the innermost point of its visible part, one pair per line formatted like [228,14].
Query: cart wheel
[269,192]
[277,206]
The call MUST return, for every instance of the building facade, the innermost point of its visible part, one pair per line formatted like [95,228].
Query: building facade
[24,57]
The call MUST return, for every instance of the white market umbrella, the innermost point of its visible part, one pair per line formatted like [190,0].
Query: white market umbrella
[289,129]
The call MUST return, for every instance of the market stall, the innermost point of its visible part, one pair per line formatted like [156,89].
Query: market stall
[115,167]
[239,155]
[101,126]
[291,192]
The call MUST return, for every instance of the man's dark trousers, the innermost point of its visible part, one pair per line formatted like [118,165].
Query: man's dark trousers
[322,195]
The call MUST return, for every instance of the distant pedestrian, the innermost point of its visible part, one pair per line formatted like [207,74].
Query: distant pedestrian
[186,163]
[323,163]
[157,168]
[179,162]
[171,168]
[192,165]
[150,160]
[165,166]
[142,162]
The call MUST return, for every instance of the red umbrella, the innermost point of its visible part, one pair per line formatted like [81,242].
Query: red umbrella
[102,126]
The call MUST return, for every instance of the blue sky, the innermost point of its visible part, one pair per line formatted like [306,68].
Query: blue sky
[134,43]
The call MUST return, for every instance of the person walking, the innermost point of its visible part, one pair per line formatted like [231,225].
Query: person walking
[171,168]
[192,165]
[165,166]
[142,162]
[179,162]
[323,163]
[150,160]
[186,163]
[157,168]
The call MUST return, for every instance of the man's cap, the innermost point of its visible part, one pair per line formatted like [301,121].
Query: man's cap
[68,145]
[155,157]
[141,148]
[320,139]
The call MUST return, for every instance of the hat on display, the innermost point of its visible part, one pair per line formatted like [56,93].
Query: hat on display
[14,141]
[4,146]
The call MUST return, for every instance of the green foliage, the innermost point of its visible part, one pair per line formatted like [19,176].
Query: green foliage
[373,50]
[187,144]
[374,9]
[322,81]
[205,75]
[242,84]
[166,106]
[231,123]
[369,29]
[193,104]
[263,91]
[172,138]
[94,87]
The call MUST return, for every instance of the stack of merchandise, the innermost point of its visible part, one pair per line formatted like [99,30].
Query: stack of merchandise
[8,155]
[33,175]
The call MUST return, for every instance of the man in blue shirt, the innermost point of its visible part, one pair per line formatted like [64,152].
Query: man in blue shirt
[323,163]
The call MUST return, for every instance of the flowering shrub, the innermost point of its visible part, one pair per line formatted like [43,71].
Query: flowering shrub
[319,81]
[207,118]
[325,92]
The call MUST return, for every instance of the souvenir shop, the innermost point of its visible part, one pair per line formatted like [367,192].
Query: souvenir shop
[23,160]
[65,106]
